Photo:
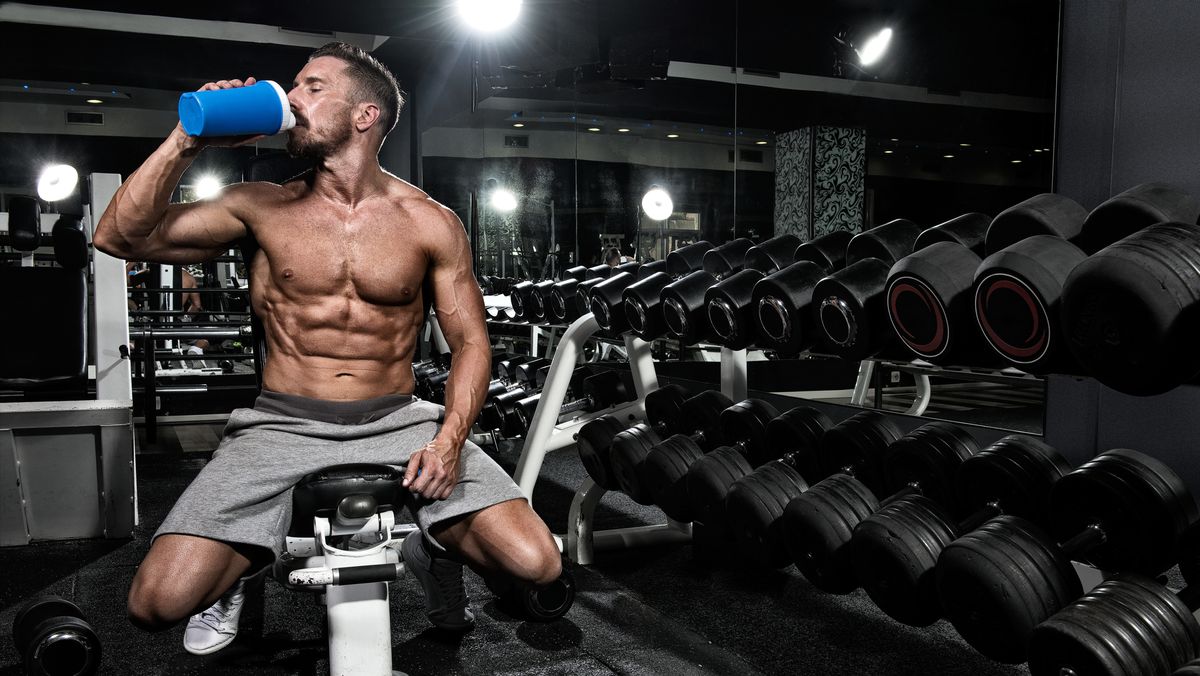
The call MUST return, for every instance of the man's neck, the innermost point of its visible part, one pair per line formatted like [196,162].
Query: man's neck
[348,178]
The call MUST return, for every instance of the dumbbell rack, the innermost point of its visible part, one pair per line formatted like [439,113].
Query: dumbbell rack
[546,434]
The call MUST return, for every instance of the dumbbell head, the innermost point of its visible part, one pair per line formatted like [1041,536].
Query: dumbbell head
[1128,624]
[1017,296]
[647,269]
[888,242]
[665,471]
[969,230]
[539,305]
[851,310]
[627,453]
[859,444]
[594,443]
[578,273]
[930,304]
[782,306]
[562,305]
[772,255]
[664,408]
[1017,473]
[52,637]
[687,258]
[827,251]
[684,311]
[754,505]
[1044,214]
[602,271]
[746,423]
[797,432]
[1136,208]
[643,306]
[816,525]
[708,481]
[728,258]
[521,296]
[730,309]
[1129,312]
[608,305]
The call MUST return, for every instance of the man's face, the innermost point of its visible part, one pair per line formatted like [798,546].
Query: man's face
[320,98]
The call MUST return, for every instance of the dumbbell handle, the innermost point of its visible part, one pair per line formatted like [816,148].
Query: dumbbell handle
[1090,537]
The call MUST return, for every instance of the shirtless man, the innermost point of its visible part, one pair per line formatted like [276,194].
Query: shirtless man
[345,252]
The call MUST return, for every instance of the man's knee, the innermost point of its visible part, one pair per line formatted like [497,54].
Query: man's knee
[150,607]
[538,563]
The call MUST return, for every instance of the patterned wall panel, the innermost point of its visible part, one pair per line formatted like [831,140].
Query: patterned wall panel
[839,181]
[793,183]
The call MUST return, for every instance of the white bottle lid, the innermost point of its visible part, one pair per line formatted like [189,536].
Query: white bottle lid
[289,118]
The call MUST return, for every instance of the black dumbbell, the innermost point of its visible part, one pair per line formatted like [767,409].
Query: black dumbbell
[811,526]
[607,302]
[827,251]
[819,527]
[544,604]
[537,305]
[700,416]
[567,300]
[1132,210]
[595,438]
[894,551]
[794,435]
[782,301]
[729,302]
[1121,511]
[520,296]
[851,310]
[53,638]
[665,468]
[931,306]
[969,230]
[1045,214]
[643,299]
[598,391]
[684,309]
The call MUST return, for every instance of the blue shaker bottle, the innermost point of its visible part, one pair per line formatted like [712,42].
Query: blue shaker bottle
[261,108]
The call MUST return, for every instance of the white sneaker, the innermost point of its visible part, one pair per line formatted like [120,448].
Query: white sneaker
[217,626]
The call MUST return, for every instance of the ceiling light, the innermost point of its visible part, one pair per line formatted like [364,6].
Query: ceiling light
[1016,161]
[876,46]
[518,125]
[1037,150]
[593,128]
[503,200]
[623,130]
[672,135]
[895,139]
[964,145]
[206,187]
[57,182]
[657,204]
[888,152]
[488,16]
[94,101]
[948,157]
[760,143]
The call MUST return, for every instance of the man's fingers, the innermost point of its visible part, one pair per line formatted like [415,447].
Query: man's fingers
[410,472]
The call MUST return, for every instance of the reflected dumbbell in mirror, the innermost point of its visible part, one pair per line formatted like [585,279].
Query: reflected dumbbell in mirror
[1122,511]
[730,302]
[606,299]
[782,300]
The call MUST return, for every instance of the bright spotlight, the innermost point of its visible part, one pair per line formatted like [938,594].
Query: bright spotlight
[57,182]
[875,47]
[488,16]
[503,200]
[657,204]
[207,187]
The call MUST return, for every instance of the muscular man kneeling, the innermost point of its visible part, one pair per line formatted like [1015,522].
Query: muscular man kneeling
[346,251]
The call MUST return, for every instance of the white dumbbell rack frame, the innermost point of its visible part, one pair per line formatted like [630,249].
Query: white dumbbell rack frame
[547,434]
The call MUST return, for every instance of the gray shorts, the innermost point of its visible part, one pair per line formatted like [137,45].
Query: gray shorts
[244,494]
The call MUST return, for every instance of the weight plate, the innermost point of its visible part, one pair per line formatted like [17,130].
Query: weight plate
[594,443]
[629,451]
[63,645]
[895,552]
[755,502]
[37,610]
[663,408]
[665,471]
[702,413]
[747,421]
[858,445]
[708,482]
[817,525]
[1017,472]
[997,583]
[928,458]
[1125,625]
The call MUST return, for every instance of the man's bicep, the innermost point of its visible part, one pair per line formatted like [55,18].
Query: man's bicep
[196,230]
[457,299]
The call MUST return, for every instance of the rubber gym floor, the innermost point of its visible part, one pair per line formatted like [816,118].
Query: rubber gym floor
[660,610]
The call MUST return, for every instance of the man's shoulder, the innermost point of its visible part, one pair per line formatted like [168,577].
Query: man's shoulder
[419,206]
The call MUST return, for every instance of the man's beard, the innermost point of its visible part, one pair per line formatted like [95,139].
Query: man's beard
[310,147]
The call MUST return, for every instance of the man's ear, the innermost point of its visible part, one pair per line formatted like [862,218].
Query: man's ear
[366,116]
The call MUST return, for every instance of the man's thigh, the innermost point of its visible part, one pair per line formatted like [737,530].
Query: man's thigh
[185,573]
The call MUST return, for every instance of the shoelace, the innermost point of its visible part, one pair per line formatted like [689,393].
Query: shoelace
[216,616]
[449,580]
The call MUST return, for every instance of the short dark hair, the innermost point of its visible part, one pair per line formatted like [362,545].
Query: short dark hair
[613,255]
[373,81]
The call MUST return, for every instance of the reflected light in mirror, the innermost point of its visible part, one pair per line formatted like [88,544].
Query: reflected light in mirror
[875,47]
[207,187]
[488,16]
[657,204]
[503,200]
[57,182]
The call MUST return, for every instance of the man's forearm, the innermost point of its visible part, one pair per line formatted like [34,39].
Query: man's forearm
[139,204]
[466,387]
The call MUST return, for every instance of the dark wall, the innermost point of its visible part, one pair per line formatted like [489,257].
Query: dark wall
[1128,101]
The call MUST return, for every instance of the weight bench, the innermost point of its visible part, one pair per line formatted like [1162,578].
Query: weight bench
[344,542]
